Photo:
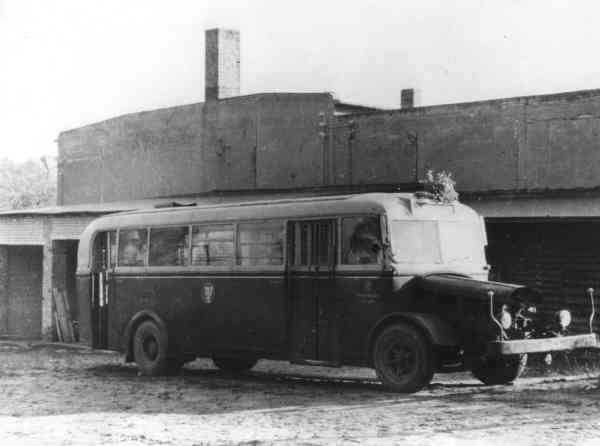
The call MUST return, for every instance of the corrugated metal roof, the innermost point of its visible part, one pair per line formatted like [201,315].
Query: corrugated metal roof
[94,208]
[211,198]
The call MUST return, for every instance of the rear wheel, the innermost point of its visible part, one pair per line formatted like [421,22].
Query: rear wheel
[150,349]
[499,369]
[403,358]
[235,365]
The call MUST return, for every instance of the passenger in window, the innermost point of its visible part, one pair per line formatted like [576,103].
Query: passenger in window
[365,247]
[133,252]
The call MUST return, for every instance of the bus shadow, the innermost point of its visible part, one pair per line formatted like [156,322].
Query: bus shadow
[201,389]
[214,378]
[294,379]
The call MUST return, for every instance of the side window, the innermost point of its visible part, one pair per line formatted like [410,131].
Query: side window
[361,241]
[112,249]
[101,252]
[169,246]
[313,242]
[132,247]
[212,245]
[260,243]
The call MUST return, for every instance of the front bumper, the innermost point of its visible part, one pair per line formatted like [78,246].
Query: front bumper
[542,345]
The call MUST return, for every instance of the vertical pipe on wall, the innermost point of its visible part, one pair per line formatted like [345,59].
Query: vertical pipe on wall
[352,125]
[323,134]
[413,139]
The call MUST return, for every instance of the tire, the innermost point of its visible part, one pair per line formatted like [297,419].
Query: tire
[235,365]
[150,349]
[499,370]
[403,358]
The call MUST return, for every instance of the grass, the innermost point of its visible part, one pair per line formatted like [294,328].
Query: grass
[578,362]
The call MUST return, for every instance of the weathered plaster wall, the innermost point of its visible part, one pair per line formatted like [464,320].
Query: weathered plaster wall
[139,155]
[273,141]
[264,141]
[531,143]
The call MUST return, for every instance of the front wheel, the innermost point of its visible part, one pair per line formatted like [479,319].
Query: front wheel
[235,365]
[403,358]
[499,369]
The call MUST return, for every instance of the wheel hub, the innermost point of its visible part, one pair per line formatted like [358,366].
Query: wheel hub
[400,359]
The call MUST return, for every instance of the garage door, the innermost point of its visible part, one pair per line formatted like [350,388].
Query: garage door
[24,312]
[559,258]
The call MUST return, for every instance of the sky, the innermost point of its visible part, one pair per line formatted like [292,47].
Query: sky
[68,63]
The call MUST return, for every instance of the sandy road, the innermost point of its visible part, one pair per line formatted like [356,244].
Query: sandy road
[61,396]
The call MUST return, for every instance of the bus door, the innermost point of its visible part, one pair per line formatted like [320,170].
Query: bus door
[313,326]
[103,264]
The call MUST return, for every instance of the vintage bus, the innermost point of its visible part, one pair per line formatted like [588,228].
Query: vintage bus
[393,281]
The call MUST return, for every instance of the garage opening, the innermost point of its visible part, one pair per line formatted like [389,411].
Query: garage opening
[21,303]
[64,265]
[558,257]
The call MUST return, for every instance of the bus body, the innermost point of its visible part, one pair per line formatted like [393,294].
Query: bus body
[392,281]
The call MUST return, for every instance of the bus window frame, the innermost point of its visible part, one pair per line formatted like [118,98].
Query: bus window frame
[132,269]
[287,264]
[170,268]
[266,268]
[195,269]
[291,263]
[213,268]
[370,267]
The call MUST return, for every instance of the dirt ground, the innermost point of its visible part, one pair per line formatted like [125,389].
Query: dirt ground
[58,395]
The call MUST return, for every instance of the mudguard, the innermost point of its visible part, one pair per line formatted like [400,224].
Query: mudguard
[131,326]
[437,331]
[454,286]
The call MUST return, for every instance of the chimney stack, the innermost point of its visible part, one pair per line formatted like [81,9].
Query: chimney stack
[407,98]
[222,64]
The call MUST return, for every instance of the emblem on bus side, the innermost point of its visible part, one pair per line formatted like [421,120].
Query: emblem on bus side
[208,293]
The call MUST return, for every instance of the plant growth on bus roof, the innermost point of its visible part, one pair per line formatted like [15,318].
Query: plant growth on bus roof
[440,186]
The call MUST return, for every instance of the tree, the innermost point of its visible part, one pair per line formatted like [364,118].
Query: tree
[26,184]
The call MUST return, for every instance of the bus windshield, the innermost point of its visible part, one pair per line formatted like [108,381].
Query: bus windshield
[428,242]
[462,242]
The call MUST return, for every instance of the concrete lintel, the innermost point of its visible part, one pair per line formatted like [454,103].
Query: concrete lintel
[537,207]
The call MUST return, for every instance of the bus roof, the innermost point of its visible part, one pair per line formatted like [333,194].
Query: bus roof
[394,205]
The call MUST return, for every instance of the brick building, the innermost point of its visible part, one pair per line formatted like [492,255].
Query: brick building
[529,164]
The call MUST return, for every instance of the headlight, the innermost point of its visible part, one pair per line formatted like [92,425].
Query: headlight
[563,318]
[505,319]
